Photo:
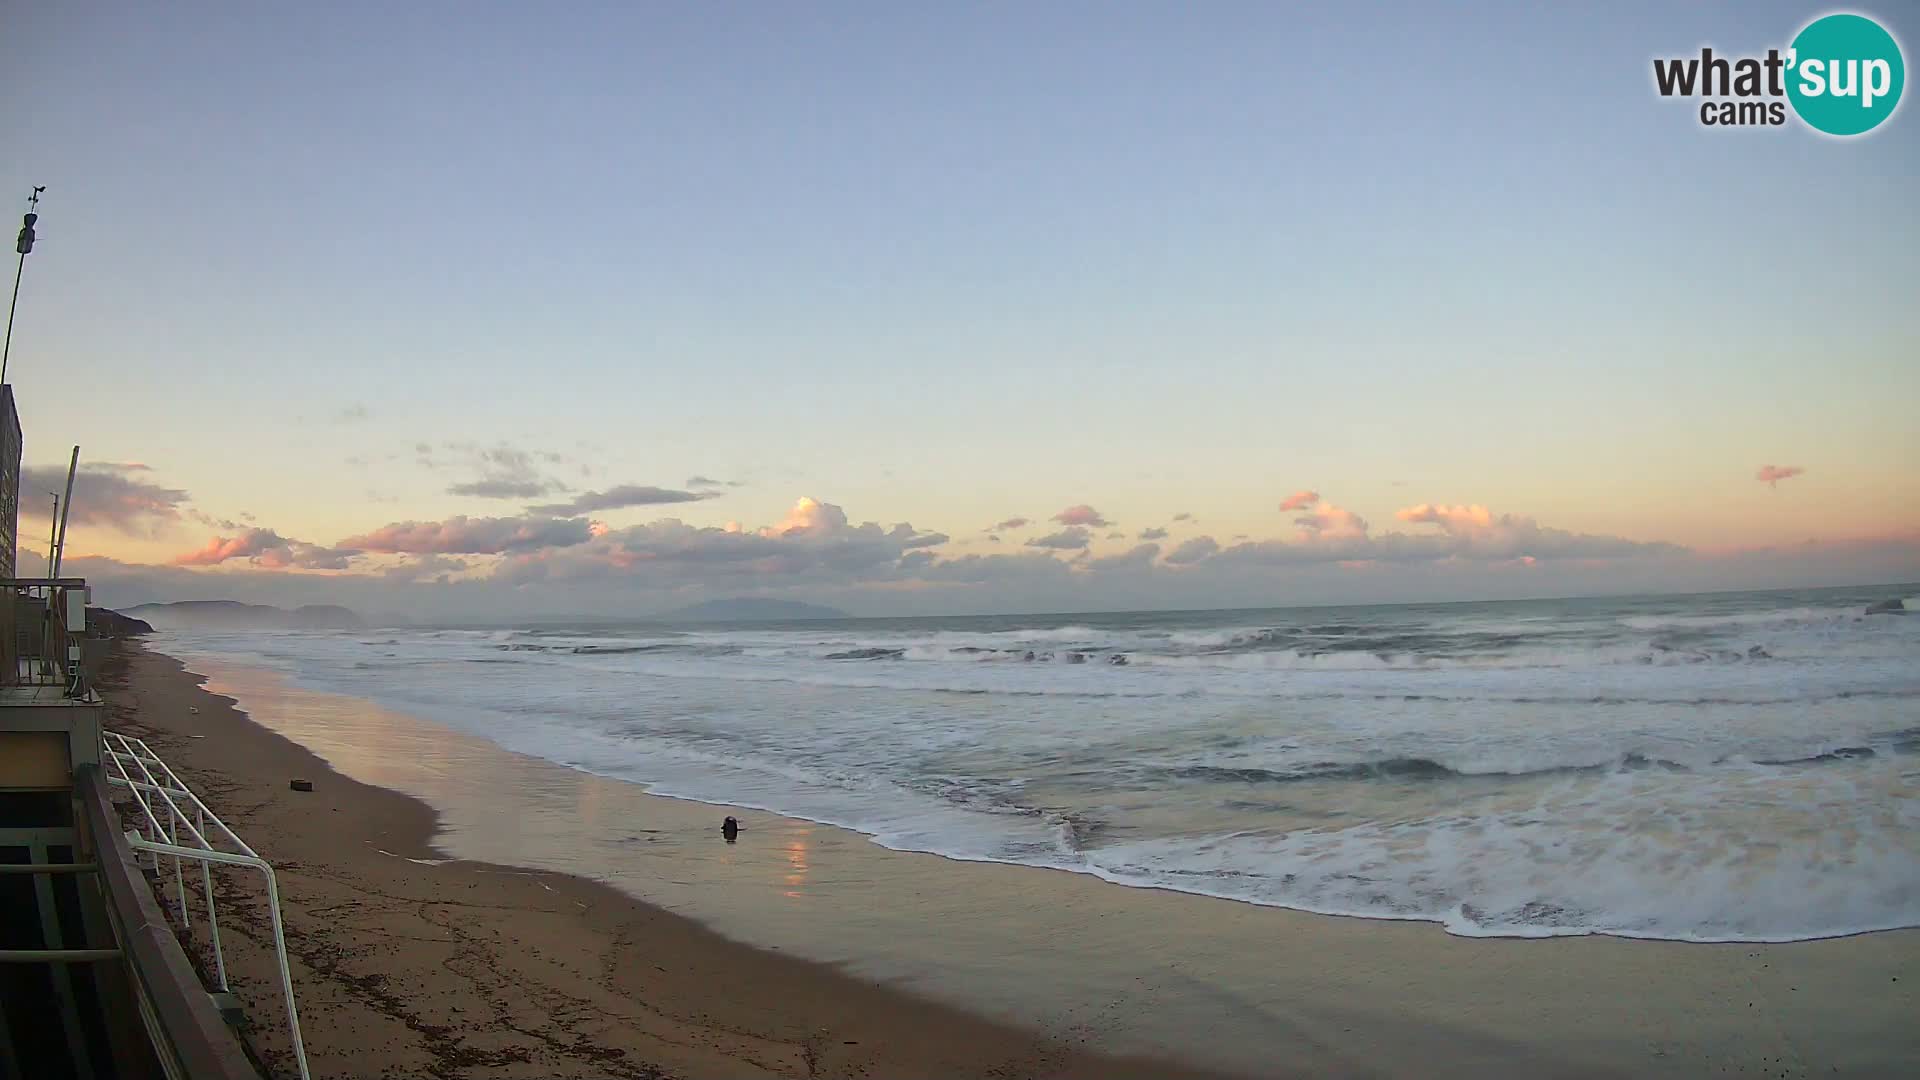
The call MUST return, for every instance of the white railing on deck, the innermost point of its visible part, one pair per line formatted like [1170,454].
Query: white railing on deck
[179,826]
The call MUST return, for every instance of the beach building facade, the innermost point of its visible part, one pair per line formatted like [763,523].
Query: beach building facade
[94,982]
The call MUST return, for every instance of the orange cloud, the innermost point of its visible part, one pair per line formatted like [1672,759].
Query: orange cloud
[1327,522]
[221,548]
[1771,475]
[1299,500]
[264,547]
[809,516]
[1082,515]
[1452,518]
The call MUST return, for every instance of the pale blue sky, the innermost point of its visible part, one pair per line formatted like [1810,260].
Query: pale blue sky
[948,266]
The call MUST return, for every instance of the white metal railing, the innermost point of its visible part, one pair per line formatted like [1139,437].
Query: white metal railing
[193,832]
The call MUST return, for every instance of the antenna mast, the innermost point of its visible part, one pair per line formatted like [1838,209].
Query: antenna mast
[66,508]
[23,245]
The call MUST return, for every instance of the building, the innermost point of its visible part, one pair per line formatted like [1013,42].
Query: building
[9,482]
[94,983]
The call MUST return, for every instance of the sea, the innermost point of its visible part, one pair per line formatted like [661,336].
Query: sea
[1723,767]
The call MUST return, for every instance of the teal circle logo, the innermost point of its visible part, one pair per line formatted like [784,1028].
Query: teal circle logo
[1845,74]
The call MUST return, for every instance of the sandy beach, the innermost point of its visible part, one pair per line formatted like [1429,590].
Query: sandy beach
[565,942]
[465,969]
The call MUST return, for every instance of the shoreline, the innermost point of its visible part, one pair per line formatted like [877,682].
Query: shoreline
[1350,916]
[1070,960]
[410,963]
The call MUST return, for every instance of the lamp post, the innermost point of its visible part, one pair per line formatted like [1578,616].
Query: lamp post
[53,531]
[23,244]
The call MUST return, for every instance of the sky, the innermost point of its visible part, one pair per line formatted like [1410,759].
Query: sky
[477,309]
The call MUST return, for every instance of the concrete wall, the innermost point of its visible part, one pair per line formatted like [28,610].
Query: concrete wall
[34,761]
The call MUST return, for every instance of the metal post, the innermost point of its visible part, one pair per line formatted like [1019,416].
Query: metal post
[60,545]
[179,878]
[273,909]
[18,269]
[286,970]
[24,245]
[206,885]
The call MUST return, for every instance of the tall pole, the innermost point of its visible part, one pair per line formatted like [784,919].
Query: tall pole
[23,245]
[53,531]
[7,354]
[60,546]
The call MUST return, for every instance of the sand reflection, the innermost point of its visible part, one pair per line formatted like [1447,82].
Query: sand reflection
[797,864]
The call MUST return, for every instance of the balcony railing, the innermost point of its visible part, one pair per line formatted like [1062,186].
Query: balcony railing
[172,823]
[42,631]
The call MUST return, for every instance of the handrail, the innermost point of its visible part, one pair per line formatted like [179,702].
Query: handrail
[56,956]
[117,752]
[188,1032]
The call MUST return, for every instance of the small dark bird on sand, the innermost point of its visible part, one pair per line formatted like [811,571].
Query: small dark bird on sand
[730,829]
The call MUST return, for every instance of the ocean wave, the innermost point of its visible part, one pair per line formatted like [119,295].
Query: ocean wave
[612,649]
[1421,768]
[656,648]
[867,654]
[1749,677]
[1656,655]
[1532,873]
[1772,617]
[1434,641]
[612,632]
[1608,858]
[1056,633]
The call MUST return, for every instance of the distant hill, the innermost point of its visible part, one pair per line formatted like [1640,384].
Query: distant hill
[233,615]
[749,609]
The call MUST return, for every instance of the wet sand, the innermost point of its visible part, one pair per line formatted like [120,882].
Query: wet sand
[920,966]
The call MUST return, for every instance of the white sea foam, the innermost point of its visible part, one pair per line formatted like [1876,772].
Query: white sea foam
[1581,859]
[1783,616]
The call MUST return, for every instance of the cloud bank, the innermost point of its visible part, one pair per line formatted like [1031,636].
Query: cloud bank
[1071,538]
[105,494]
[1326,552]
[264,547]
[621,497]
[500,487]
[462,535]
[815,542]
